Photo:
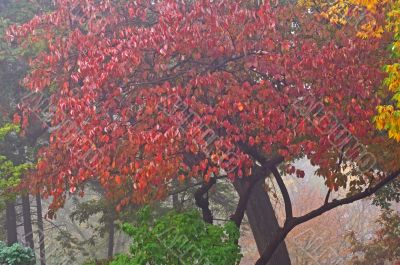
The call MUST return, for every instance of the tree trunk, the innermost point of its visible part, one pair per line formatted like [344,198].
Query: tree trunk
[26,213]
[176,205]
[175,202]
[263,222]
[40,230]
[11,223]
[111,232]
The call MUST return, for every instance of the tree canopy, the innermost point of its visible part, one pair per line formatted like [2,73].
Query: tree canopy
[138,94]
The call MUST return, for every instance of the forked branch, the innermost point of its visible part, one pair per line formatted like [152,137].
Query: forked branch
[292,222]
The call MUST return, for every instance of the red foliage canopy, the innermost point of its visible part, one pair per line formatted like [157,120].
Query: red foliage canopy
[147,91]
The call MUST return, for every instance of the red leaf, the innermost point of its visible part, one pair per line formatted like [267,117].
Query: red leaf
[17,119]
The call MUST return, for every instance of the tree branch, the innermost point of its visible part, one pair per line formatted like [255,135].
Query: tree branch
[203,202]
[335,203]
[185,189]
[284,191]
[291,223]
[327,196]
[253,152]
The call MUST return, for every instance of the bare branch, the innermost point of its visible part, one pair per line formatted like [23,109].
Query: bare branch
[335,203]
[327,196]
[284,191]
[203,202]
[293,222]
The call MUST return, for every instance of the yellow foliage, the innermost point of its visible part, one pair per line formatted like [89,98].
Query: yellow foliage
[370,5]
[388,117]
[338,12]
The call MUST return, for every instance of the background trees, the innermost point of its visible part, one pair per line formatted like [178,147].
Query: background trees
[17,153]
[383,247]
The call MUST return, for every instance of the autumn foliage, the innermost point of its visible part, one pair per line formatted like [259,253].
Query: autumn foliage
[145,92]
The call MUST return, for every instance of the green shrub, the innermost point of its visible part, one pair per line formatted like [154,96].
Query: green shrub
[180,238]
[123,259]
[16,255]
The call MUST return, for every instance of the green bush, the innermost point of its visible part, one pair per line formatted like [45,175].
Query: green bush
[180,238]
[16,255]
[123,260]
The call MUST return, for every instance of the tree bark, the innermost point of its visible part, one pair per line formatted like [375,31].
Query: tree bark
[26,213]
[263,222]
[42,245]
[268,255]
[111,232]
[175,201]
[175,197]
[201,200]
[11,223]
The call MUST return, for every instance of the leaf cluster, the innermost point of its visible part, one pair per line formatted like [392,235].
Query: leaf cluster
[16,255]
[180,238]
[10,174]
